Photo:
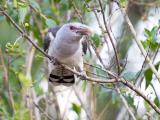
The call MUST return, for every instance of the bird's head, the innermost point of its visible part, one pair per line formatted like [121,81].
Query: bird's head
[74,31]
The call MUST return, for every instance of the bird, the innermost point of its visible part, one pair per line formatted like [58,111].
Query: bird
[66,44]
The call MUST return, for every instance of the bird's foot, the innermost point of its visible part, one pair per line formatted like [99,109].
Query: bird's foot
[54,61]
[83,75]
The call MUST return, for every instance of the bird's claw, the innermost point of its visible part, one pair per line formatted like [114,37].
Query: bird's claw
[83,75]
[54,61]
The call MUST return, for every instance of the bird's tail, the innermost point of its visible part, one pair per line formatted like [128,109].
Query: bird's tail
[61,76]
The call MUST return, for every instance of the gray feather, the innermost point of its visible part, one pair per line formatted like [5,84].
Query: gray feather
[47,38]
[84,46]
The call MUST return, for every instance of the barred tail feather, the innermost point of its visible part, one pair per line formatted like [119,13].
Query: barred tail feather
[61,76]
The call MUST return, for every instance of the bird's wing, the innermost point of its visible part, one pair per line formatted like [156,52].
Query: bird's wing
[84,45]
[50,36]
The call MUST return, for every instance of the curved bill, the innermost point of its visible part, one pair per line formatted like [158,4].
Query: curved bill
[84,30]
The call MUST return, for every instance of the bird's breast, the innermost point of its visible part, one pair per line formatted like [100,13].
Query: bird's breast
[73,60]
[68,53]
[66,50]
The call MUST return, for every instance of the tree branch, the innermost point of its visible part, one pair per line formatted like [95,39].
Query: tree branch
[138,91]
[6,81]
[23,33]
[109,35]
[125,103]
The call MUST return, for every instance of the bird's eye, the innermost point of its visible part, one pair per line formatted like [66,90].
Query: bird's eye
[72,28]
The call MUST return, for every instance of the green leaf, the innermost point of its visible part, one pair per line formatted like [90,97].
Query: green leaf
[2,18]
[96,40]
[123,3]
[155,33]
[38,89]
[76,108]
[87,1]
[154,30]
[151,35]
[57,1]
[114,96]
[84,85]
[145,43]
[22,13]
[157,65]
[64,3]
[35,4]
[101,73]
[148,33]
[157,102]
[130,100]
[9,45]
[151,39]
[50,23]
[15,3]
[148,74]
[22,4]
[24,80]
[128,75]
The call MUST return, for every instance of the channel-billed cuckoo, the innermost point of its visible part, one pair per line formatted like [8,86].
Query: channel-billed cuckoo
[66,45]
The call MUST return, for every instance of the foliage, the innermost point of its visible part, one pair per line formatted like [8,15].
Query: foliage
[152,39]
[23,68]
[96,40]
[77,109]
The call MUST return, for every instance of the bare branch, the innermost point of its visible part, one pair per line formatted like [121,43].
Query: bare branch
[125,103]
[6,81]
[138,91]
[143,51]
[40,109]
[109,35]
[82,104]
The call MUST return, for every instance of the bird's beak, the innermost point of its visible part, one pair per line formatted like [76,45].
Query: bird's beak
[84,30]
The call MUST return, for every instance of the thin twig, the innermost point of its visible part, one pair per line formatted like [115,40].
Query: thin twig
[143,65]
[103,111]
[82,104]
[143,51]
[49,118]
[77,11]
[57,106]
[34,9]
[6,78]
[104,36]
[23,33]
[125,103]
[64,112]
[109,35]
[138,91]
